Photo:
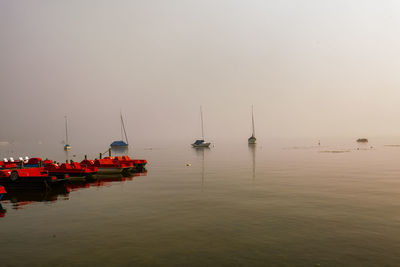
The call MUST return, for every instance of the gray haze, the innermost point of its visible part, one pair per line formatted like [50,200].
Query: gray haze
[311,68]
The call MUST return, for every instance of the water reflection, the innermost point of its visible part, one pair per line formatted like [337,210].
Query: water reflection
[252,150]
[200,152]
[2,211]
[103,180]
[21,196]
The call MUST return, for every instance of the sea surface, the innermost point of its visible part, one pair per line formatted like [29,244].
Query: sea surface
[284,203]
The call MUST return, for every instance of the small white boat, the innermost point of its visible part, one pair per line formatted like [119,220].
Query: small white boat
[252,139]
[67,146]
[201,142]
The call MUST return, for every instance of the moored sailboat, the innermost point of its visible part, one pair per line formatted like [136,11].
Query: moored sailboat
[121,143]
[201,142]
[252,139]
[67,146]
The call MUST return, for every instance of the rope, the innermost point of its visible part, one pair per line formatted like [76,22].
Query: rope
[105,152]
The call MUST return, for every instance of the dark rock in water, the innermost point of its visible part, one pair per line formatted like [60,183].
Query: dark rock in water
[362,140]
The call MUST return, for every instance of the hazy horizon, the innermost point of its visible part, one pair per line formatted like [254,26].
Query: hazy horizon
[312,69]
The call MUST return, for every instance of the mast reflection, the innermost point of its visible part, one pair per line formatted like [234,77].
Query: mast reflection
[252,150]
[200,152]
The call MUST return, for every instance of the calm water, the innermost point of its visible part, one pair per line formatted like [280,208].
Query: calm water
[278,204]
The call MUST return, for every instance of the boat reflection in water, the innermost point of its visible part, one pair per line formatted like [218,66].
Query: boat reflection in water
[104,180]
[2,211]
[22,196]
[19,197]
[200,152]
[252,150]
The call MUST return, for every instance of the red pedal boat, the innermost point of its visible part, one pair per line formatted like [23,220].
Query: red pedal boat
[107,166]
[74,170]
[31,163]
[7,165]
[30,175]
[138,164]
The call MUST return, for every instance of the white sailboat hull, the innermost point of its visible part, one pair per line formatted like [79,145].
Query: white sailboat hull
[200,142]
[202,145]
[252,141]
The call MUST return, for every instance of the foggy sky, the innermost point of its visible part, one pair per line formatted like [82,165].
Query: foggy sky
[311,69]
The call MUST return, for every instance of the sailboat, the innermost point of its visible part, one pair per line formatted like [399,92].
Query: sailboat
[201,142]
[252,139]
[67,146]
[121,143]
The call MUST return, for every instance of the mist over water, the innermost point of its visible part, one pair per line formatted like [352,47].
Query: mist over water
[312,70]
[320,74]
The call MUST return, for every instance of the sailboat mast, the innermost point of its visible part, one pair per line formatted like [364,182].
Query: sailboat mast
[123,126]
[252,120]
[202,126]
[66,130]
[122,135]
